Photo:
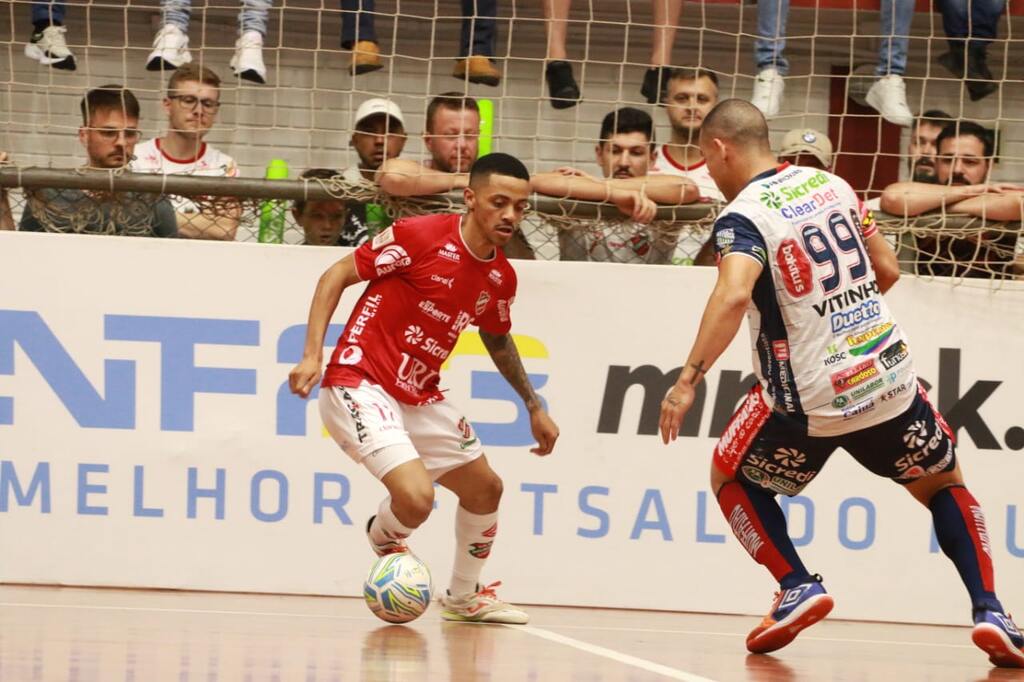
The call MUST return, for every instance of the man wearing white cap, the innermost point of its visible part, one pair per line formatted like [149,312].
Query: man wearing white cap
[806,147]
[378,134]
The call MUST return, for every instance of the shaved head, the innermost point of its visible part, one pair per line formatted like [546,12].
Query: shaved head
[734,142]
[738,123]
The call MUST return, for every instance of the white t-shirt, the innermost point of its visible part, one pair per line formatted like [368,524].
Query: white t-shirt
[698,172]
[210,161]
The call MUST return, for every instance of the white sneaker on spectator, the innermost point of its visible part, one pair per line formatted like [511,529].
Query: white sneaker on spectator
[248,60]
[170,49]
[50,48]
[768,89]
[888,96]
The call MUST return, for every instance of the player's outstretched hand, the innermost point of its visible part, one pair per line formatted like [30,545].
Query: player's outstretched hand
[544,430]
[673,408]
[304,376]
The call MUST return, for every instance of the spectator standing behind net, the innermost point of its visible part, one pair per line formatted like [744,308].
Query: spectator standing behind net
[191,104]
[970,26]
[808,148]
[963,162]
[324,221]
[562,85]
[378,134]
[476,45]
[110,129]
[888,95]
[48,44]
[624,152]
[170,46]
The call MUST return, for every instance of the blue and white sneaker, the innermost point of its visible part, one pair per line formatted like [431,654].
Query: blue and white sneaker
[996,634]
[793,610]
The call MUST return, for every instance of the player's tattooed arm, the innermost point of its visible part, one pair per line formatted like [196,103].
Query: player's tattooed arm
[505,355]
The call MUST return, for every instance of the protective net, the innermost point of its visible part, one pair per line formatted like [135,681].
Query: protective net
[303,113]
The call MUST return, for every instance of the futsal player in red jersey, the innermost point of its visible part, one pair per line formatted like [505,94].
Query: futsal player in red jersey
[429,278]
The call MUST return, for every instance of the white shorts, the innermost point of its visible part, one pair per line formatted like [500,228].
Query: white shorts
[379,432]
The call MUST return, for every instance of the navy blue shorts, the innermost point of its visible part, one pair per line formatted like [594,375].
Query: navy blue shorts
[768,449]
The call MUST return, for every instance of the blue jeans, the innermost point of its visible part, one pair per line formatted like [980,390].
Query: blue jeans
[48,12]
[252,17]
[892,53]
[978,23]
[479,25]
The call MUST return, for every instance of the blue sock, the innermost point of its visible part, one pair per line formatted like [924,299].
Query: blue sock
[960,529]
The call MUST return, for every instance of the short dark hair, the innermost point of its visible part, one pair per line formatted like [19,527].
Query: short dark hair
[193,72]
[497,162]
[692,73]
[738,121]
[986,136]
[627,120]
[449,100]
[934,117]
[107,97]
[313,174]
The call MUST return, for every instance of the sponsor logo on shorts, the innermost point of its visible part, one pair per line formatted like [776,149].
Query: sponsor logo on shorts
[893,355]
[795,268]
[450,252]
[789,457]
[868,342]
[392,258]
[780,349]
[481,303]
[742,429]
[854,376]
[353,410]
[922,443]
[466,433]
[856,317]
[430,309]
[784,464]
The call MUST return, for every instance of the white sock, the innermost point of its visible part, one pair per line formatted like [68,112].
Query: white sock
[386,527]
[474,534]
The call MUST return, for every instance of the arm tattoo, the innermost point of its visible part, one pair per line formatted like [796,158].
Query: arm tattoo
[503,352]
[698,370]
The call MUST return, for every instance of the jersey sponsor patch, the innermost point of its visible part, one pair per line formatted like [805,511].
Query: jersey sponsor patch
[351,355]
[383,238]
[854,376]
[795,267]
[893,355]
[392,258]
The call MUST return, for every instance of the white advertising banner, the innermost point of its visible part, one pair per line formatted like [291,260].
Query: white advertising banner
[148,439]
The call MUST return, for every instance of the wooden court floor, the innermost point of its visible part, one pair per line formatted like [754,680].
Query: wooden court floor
[83,635]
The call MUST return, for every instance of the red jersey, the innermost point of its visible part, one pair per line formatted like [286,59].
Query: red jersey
[426,286]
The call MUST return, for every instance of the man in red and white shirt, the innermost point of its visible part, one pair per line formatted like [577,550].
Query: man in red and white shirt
[429,278]
[191,103]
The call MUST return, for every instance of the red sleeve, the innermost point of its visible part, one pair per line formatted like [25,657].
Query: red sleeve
[389,252]
[497,319]
[868,226]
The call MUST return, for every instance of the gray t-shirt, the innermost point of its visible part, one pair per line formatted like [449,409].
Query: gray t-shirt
[77,211]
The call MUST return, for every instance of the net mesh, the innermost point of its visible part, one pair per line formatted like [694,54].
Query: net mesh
[303,114]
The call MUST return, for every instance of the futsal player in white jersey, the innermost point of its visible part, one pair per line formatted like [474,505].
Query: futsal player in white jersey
[191,104]
[798,256]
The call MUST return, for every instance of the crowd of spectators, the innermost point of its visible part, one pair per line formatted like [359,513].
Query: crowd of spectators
[950,160]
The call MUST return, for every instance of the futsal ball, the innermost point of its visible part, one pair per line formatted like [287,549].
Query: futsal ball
[398,588]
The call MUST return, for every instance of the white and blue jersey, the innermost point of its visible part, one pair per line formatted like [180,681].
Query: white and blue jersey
[827,351]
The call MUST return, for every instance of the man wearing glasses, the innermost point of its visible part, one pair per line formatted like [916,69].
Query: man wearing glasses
[110,129]
[192,103]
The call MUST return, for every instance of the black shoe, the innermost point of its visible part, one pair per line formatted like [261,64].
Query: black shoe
[655,84]
[562,86]
[980,89]
[980,81]
[954,62]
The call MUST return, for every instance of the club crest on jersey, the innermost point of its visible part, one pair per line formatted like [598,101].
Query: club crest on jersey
[350,355]
[392,258]
[795,267]
[383,238]
[481,302]
[450,252]
[495,277]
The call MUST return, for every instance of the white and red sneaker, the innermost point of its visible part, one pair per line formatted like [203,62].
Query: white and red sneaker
[390,547]
[482,607]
